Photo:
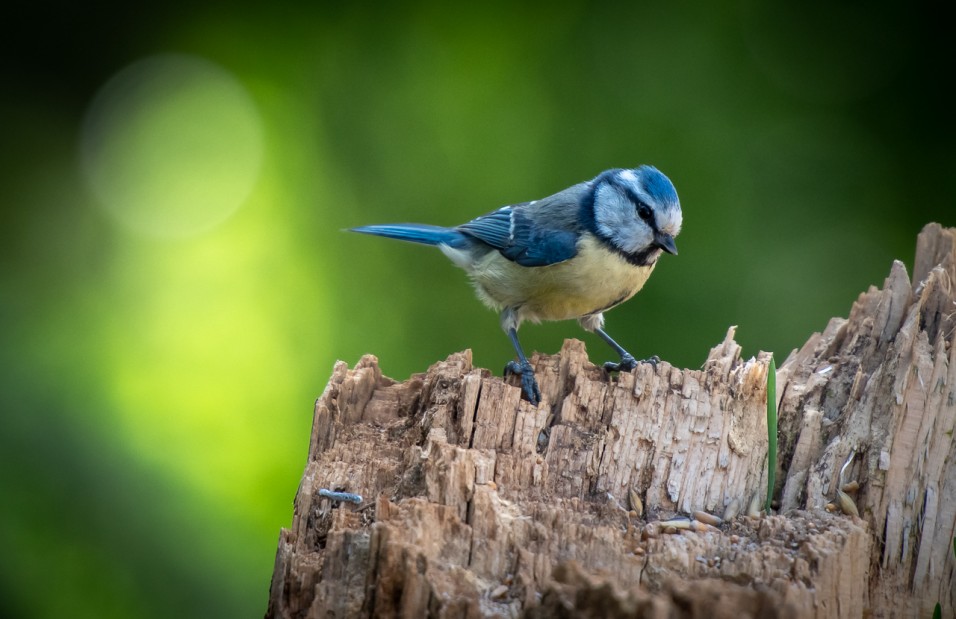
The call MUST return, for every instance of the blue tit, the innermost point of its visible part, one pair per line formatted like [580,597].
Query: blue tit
[575,254]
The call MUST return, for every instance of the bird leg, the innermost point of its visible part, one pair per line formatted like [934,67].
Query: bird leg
[628,362]
[529,386]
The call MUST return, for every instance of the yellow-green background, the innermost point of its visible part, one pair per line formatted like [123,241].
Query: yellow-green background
[157,390]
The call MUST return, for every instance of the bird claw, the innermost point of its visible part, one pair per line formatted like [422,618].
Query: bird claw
[628,363]
[529,386]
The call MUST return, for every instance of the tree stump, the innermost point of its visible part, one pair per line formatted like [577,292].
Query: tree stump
[638,496]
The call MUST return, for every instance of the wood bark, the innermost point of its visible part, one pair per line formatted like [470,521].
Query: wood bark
[477,504]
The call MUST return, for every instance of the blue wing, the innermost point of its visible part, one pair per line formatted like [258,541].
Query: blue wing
[519,239]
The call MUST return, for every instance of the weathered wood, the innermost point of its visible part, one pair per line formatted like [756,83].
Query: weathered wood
[478,504]
[882,385]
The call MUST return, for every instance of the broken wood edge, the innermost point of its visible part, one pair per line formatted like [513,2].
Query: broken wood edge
[871,402]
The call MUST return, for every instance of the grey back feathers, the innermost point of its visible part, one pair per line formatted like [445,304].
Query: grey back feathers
[536,233]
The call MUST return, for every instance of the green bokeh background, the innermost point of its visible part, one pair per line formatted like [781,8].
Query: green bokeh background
[157,390]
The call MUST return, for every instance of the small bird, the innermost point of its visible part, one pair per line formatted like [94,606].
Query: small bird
[575,254]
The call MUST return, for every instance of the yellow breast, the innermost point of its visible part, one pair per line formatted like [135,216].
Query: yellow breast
[594,280]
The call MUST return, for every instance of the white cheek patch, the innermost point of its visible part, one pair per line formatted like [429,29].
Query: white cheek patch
[632,237]
[615,219]
[608,211]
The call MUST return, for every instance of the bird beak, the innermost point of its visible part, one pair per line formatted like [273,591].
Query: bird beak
[665,242]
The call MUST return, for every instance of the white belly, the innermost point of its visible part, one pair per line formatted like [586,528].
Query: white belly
[593,281]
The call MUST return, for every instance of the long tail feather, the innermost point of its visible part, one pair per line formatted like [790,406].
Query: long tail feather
[416,233]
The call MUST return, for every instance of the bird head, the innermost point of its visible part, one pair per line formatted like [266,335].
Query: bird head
[636,213]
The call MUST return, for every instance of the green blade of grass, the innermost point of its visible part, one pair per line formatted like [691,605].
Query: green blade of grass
[771,430]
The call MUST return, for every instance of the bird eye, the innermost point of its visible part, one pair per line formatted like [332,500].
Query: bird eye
[644,212]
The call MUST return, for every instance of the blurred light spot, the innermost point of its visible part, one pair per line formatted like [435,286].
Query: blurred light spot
[172,145]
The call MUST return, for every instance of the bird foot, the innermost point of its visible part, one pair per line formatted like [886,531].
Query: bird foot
[628,363]
[529,386]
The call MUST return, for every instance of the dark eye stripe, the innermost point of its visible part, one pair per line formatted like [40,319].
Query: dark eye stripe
[643,210]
